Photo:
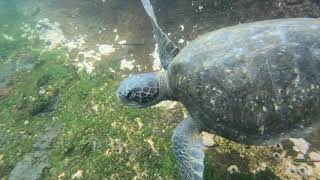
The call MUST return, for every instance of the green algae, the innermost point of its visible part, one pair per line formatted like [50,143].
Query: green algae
[108,142]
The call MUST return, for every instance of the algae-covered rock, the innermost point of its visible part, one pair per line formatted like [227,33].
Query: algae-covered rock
[31,167]
[34,163]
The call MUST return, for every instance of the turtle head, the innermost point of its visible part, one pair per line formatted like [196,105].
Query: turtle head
[141,90]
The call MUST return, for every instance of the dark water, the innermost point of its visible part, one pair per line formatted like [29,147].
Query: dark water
[60,118]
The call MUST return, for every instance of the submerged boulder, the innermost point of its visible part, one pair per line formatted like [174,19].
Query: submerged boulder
[33,164]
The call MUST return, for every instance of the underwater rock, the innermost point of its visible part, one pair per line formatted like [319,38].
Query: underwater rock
[32,164]
[233,169]
[300,145]
[207,139]
[44,103]
[78,174]
[47,137]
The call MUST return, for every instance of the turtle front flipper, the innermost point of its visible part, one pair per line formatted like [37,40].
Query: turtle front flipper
[189,149]
[167,49]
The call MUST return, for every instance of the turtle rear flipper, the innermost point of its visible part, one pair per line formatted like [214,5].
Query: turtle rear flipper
[167,49]
[189,149]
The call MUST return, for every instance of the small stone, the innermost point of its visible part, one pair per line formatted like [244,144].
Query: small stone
[181,41]
[123,42]
[233,169]
[277,156]
[181,27]
[305,171]
[61,176]
[207,139]
[125,64]
[151,143]
[95,108]
[314,156]
[292,169]
[79,174]
[300,145]
[26,122]
[111,70]
[278,146]
[106,49]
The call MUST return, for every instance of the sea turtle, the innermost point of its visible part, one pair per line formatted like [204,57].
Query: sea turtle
[254,83]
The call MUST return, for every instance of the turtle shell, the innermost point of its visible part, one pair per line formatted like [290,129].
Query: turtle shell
[252,83]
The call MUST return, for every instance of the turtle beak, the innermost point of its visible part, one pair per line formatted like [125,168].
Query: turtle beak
[121,97]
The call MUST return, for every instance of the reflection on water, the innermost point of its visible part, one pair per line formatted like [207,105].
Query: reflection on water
[61,63]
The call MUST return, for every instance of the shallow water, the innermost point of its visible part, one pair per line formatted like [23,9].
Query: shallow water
[61,62]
